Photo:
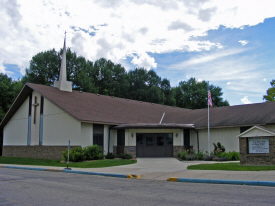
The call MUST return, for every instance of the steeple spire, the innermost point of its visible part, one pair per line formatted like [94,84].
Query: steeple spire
[62,83]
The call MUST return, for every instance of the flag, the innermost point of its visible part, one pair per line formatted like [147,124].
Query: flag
[209,98]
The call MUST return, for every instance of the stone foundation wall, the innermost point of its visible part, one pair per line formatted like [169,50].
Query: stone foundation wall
[131,150]
[256,159]
[179,149]
[38,152]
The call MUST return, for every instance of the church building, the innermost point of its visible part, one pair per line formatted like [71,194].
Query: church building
[43,119]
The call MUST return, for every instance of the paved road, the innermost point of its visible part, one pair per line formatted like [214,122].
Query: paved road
[24,187]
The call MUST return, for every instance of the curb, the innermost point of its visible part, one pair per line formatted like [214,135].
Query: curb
[218,181]
[75,171]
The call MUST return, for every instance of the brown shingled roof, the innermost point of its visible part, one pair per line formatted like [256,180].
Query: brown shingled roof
[241,115]
[88,107]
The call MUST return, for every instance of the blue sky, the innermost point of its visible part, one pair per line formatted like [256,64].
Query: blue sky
[229,45]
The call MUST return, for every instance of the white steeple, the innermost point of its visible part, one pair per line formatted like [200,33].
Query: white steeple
[62,83]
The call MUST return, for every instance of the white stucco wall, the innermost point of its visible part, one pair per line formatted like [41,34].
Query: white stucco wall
[16,130]
[59,127]
[131,141]
[86,134]
[226,136]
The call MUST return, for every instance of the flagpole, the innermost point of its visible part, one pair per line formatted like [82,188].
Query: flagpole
[208,120]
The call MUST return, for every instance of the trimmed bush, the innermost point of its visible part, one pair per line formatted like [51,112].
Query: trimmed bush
[93,152]
[125,156]
[76,155]
[110,156]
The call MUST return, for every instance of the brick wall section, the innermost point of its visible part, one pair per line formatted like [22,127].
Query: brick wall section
[39,152]
[127,151]
[256,159]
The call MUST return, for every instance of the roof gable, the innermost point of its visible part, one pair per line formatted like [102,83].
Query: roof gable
[257,131]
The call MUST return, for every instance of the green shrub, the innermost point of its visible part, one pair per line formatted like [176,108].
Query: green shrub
[93,152]
[183,155]
[76,155]
[231,155]
[206,157]
[190,157]
[110,156]
[199,155]
[235,155]
[192,151]
[125,156]
[218,149]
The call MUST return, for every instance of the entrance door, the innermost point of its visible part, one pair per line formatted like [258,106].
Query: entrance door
[155,145]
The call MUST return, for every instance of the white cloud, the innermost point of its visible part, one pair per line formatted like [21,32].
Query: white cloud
[228,83]
[245,100]
[264,79]
[120,28]
[206,58]
[243,42]
[144,60]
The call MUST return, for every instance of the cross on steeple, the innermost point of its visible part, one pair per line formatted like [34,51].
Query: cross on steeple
[35,105]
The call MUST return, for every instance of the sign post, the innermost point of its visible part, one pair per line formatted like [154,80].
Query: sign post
[68,157]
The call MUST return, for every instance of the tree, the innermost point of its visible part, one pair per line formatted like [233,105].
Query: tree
[167,90]
[270,93]
[44,68]
[192,94]
[8,91]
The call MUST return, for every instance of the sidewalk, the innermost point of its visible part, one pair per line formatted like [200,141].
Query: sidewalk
[164,168]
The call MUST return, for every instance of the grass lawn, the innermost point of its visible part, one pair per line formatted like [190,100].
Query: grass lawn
[230,166]
[56,163]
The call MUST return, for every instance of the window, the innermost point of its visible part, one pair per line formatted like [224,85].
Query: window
[139,139]
[98,132]
[186,137]
[121,137]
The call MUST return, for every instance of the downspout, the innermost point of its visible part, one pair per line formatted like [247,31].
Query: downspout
[198,142]
[109,138]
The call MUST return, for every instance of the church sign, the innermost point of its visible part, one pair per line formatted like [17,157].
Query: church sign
[258,145]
